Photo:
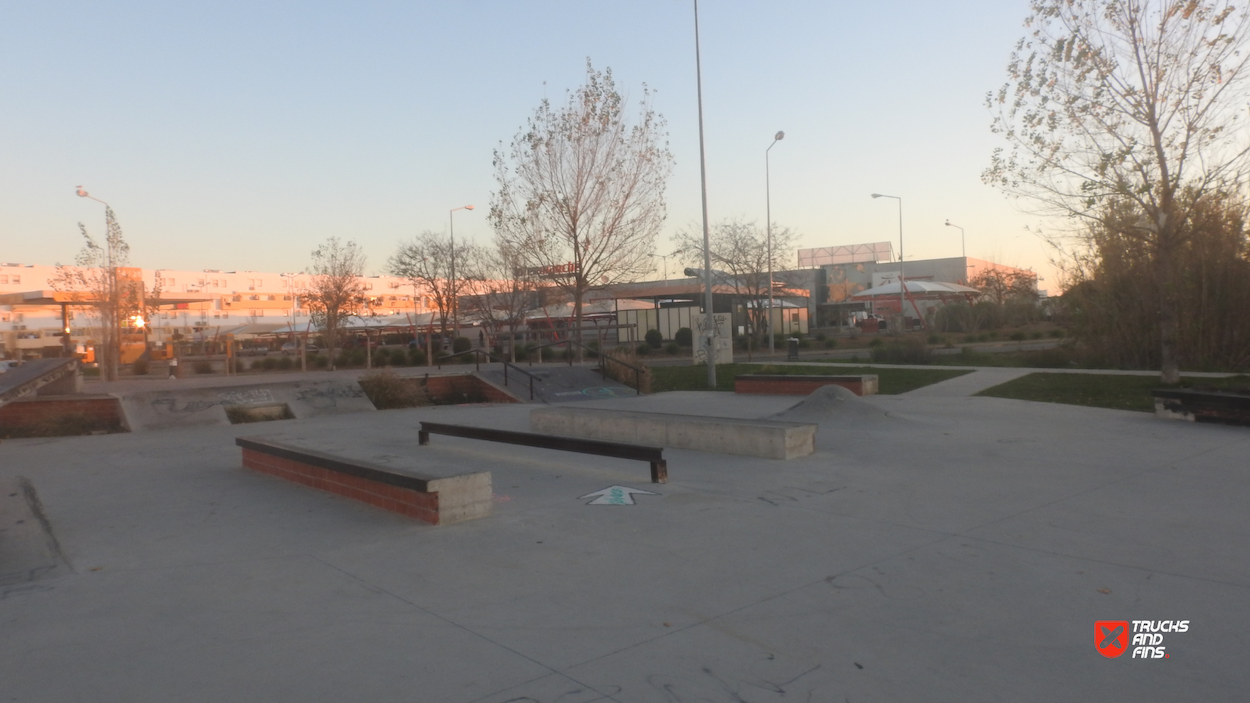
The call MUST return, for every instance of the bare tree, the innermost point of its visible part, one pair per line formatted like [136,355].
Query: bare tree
[335,290]
[1000,285]
[580,194]
[101,284]
[740,249]
[426,263]
[502,292]
[1127,101]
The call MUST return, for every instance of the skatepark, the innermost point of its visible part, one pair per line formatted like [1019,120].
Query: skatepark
[932,546]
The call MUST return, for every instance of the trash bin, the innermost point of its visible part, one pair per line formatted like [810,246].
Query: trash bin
[792,349]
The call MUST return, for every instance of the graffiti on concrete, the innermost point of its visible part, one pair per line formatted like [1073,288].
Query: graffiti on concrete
[327,395]
[247,397]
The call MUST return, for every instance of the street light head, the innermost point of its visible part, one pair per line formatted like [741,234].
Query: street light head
[876,195]
[468,207]
[948,224]
[780,136]
[81,193]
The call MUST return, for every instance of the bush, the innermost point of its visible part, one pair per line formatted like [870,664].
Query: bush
[820,336]
[256,365]
[1018,336]
[285,363]
[319,361]
[831,344]
[140,367]
[643,349]
[876,342]
[684,337]
[912,351]
[388,390]
[654,338]
[936,339]
[461,344]
[203,366]
[1056,334]
[672,348]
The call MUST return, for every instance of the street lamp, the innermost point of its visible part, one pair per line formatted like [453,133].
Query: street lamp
[962,247]
[709,319]
[902,282]
[455,303]
[768,225]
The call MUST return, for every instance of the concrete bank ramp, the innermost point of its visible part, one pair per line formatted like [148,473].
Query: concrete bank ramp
[28,549]
[835,406]
[198,407]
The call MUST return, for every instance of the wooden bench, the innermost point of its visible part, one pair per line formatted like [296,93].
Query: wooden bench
[620,450]
[1224,406]
[434,499]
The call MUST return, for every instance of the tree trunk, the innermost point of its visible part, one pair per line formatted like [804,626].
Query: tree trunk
[1169,315]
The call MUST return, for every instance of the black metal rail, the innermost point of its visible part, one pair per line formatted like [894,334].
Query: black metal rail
[653,455]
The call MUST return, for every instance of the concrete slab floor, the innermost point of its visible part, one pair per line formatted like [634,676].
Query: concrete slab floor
[934,548]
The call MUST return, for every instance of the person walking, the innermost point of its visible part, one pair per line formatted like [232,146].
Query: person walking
[173,367]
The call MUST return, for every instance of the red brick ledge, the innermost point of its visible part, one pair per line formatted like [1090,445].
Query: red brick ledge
[415,495]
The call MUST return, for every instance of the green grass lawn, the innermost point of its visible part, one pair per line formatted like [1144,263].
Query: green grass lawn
[890,381]
[1095,390]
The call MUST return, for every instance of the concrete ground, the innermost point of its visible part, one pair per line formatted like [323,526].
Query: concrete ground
[938,548]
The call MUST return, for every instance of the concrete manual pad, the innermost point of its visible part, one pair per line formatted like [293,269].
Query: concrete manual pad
[770,439]
[939,548]
[198,407]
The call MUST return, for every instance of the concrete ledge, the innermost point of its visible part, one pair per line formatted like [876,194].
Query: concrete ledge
[771,439]
[436,500]
[786,384]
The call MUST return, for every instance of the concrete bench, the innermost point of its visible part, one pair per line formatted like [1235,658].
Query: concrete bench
[436,500]
[794,384]
[772,439]
[653,455]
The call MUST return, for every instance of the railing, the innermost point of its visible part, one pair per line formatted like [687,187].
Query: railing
[603,360]
[477,365]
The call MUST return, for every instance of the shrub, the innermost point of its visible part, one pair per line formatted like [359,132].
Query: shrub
[643,349]
[285,363]
[1036,335]
[256,365]
[935,339]
[831,344]
[684,337]
[654,338]
[672,348]
[912,351]
[203,366]
[140,367]
[319,361]
[969,339]
[1018,336]
[876,342]
[1056,334]
[820,336]
[269,363]
[461,344]
[388,390]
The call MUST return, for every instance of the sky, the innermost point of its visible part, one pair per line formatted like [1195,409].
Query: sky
[239,135]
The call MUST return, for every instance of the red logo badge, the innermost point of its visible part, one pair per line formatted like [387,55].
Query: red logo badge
[1111,637]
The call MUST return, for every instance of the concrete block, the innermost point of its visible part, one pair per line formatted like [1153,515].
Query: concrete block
[772,439]
[194,407]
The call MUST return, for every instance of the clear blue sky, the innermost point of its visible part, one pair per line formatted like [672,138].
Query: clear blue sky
[238,135]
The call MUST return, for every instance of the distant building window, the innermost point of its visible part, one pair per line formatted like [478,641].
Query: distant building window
[4,279]
[16,279]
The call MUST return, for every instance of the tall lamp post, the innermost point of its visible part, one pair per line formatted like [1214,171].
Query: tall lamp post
[710,319]
[963,249]
[110,371]
[902,281]
[455,303]
[768,225]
